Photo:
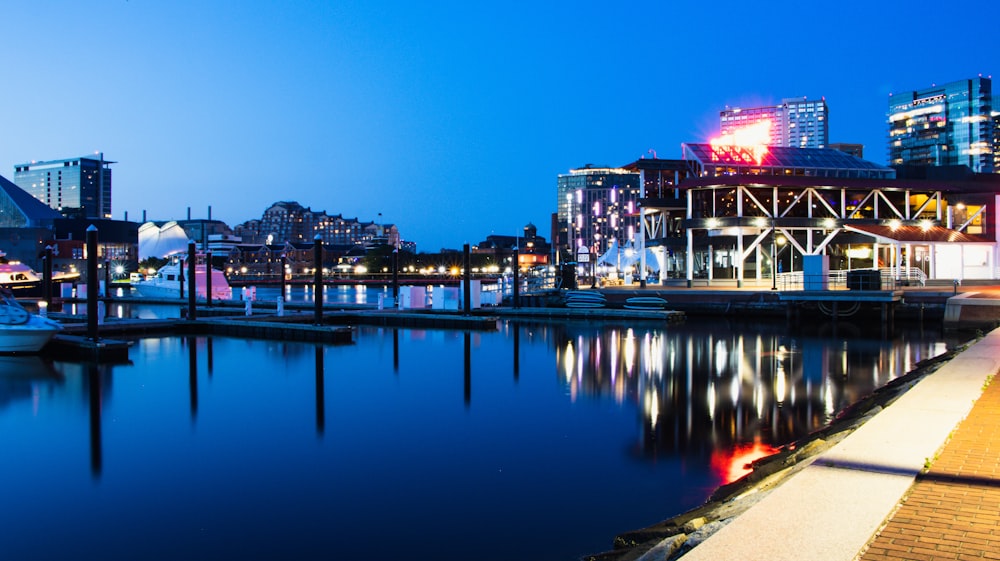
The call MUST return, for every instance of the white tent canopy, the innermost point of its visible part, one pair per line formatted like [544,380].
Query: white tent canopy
[161,241]
[622,258]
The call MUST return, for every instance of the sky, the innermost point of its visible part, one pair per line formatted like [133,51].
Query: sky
[451,120]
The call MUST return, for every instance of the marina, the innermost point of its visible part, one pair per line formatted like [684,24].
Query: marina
[544,433]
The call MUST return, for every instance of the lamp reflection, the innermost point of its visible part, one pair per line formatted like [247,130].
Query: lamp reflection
[722,386]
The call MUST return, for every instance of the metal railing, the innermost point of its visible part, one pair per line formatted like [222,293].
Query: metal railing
[858,279]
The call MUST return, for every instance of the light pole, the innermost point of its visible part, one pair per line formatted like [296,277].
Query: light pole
[774,255]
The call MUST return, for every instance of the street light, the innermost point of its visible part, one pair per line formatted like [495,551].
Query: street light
[774,255]
[775,242]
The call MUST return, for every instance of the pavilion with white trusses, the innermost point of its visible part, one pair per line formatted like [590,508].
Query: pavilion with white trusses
[760,215]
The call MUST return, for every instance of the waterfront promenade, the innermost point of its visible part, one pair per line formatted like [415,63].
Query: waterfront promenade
[846,504]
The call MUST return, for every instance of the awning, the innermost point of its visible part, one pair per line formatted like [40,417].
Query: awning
[914,234]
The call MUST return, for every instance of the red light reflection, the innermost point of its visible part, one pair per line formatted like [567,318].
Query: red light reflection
[734,463]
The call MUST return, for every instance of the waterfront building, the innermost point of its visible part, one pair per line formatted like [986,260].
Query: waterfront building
[950,124]
[532,250]
[28,226]
[598,207]
[795,122]
[76,187]
[759,214]
[288,221]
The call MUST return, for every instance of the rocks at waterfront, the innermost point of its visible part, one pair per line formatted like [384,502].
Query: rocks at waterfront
[672,538]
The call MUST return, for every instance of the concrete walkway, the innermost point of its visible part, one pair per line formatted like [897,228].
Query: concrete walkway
[834,508]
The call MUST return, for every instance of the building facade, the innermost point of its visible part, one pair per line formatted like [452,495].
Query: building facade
[76,187]
[946,125]
[598,206]
[288,221]
[797,123]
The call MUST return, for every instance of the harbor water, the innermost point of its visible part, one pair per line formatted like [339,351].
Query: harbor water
[537,441]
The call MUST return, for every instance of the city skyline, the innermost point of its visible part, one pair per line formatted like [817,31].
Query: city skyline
[451,121]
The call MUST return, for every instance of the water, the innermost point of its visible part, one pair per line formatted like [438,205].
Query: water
[538,441]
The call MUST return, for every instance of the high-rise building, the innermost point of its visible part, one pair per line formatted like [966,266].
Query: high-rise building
[946,125]
[77,187]
[996,131]
[597,206]
[796,123]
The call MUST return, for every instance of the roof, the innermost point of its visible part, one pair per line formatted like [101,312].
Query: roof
[780,157]
[161,241]
[801,181]
[32,209]
[915,234]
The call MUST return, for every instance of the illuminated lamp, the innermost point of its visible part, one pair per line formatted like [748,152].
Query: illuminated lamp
[829,223]
[926,225]
[894,225]
[859,253]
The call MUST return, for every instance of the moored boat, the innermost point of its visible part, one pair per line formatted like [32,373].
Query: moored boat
[22,331]
[166,283]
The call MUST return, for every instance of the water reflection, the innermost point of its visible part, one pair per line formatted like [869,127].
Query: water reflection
[599,428]
[724,386]
[320,392]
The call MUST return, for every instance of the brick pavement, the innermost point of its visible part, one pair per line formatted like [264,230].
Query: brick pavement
[953,511]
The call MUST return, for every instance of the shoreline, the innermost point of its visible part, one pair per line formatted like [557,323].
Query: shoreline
[673,537]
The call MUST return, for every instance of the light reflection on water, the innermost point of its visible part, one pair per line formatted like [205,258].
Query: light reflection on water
[538,441]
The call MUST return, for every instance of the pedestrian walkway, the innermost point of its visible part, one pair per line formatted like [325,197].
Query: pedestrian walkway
[833,508]
[952,511]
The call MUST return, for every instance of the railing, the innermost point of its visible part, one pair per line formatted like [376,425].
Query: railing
[857,279]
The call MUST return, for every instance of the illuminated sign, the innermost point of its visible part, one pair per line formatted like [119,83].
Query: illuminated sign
[931,99]
[747,145]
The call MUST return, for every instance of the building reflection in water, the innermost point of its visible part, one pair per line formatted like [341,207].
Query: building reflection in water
[733,394]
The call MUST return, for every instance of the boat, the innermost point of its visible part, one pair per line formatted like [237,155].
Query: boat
[166,282]
[645,303]
[584,299]
[22,278]
[20,330]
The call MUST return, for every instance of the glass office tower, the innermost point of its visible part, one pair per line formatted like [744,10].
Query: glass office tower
[77,187]
[945,125]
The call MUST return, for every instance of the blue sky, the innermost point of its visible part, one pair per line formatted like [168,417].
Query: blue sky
[451,119]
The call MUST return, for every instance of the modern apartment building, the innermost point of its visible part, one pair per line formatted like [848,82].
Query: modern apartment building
[946,125]
[77,187]
[796,123]
[597,206]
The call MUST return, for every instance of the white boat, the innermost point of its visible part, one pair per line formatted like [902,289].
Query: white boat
[166,283]
[22,278]
[22,331]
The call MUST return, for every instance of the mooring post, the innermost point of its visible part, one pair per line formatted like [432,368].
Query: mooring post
[318,279]
[395,278]
[192,282]
[92,282]
[466,279]
[47,281]
[517,280]
[208,277]
[284,263]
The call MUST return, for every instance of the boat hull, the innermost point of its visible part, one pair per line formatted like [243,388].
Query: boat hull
[29,337]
